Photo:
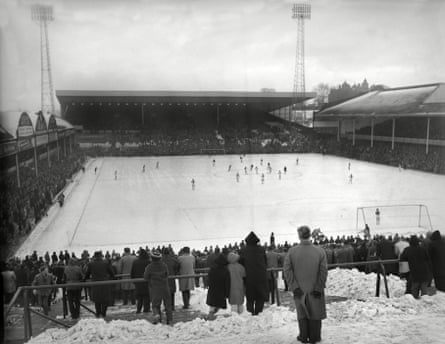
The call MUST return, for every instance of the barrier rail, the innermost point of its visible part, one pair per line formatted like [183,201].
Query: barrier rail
[27,310]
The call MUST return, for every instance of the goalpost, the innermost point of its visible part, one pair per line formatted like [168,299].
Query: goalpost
[411,218]
[212,151]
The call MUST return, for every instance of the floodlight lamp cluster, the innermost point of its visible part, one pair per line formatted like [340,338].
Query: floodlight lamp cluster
[42,13]
[301,11]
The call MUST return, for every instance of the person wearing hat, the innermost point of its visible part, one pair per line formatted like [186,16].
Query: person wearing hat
[156,273]
[186,267]
[173,269]
[419,263]
[436,250]
[253,258]
[237,276]
[100,269]
[141,292]
[219,285]
[305,269]
[43,278]
[73,274]
[128,288]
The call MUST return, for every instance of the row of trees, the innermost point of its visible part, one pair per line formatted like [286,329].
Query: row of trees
[334,95]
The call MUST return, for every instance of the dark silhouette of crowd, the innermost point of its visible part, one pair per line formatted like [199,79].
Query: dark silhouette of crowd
[22,207]
[406,156]
[249,260]
[273,136]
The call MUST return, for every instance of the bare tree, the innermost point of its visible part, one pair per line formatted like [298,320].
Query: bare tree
[322,91]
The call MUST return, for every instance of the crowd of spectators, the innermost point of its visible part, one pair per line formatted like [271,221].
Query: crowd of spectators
[22,207]
[230,140]
[409,127]
[407,156]
[428,252]
[261,138]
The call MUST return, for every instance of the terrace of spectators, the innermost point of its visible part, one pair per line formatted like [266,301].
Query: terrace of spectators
[413,115]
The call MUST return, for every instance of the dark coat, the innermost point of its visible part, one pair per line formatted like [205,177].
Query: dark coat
[385,250]
[419,263]
[156,273]
[254,260]
[137,271]
[173,269]
[219,283]
[100,270]
[436,250]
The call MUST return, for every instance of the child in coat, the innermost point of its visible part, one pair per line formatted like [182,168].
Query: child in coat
[237,276]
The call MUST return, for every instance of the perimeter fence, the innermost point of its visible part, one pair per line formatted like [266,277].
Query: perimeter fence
[27,310]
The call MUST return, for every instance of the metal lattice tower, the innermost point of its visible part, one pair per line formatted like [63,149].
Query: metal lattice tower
[300,12]
[43,14]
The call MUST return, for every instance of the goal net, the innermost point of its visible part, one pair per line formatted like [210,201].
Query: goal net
[212,151]
[397,218]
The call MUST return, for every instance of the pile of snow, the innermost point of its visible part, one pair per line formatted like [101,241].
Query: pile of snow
[142,331]
[383,307]
[354,284]
[381,316]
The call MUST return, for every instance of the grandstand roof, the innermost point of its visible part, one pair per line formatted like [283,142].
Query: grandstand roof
[10,120]
[423,100]
[263,100]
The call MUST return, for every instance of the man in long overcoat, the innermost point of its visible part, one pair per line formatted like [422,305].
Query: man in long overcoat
[186,267]
[126,263]
[73,274]
[436,250]
[253,258]
[305,269]
[173,269]
[100,270]
[419,266]
[141,292]
[219,285]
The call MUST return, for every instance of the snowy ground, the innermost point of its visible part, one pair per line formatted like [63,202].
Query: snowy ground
[158,206]
[360,319]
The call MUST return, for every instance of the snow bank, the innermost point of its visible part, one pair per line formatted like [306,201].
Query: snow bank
[386,315]
[360,308]
[142,331]
[384,307]
[354,284]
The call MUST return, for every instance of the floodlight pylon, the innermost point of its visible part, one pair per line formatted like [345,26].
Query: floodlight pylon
[300,12]
[44,14]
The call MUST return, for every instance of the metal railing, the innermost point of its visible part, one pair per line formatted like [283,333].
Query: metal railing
[202,273]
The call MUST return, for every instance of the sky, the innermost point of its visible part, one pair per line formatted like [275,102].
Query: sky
[231,45]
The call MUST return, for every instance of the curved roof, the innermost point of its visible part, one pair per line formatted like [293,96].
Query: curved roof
[404,101]
[39,122]
[51,122]
[10,122]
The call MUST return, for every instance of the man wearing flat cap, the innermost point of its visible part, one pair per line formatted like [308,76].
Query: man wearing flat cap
[305,270]
[253,258]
